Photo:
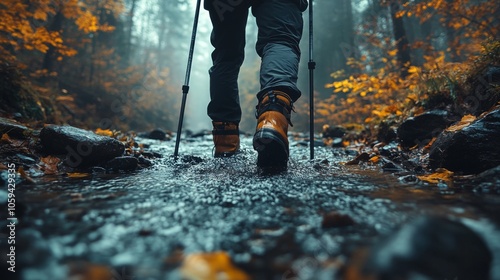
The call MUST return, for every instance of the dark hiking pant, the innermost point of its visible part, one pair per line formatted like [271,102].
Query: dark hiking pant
[280,27]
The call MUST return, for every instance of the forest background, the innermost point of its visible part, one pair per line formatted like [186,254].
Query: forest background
[120,64]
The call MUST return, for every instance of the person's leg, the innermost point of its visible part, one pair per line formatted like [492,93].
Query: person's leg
[280,26]
[280,30]
[229,18]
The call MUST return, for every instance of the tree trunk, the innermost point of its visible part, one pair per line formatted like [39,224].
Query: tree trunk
[402,46]
[56,25]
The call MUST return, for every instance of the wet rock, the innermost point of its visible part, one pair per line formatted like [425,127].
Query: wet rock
[485,182]
[471,149]
[12,128]
[81,147]
[122,164]
[421,129]
[430,248]
[333,132]
[492,75]
[336,220]
[157,134]
[386,132]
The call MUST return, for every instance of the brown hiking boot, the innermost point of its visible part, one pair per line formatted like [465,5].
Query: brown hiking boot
[270,139]
[226,138]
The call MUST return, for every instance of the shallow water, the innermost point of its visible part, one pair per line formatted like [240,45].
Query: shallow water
[269,224]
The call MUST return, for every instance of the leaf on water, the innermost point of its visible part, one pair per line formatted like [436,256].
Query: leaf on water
[441,175]
[49,164]
[77,175]
[211,266]
[465,121]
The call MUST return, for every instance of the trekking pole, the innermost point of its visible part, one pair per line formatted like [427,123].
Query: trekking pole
[311,66]
[185,87]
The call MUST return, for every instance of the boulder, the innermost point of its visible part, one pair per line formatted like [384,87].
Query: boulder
[12,128]
[430,248]
[422,128]
[470,150]
[82,148]
[122,164]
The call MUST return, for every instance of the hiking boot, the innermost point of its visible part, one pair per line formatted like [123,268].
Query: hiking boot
[226,136]
[270,139]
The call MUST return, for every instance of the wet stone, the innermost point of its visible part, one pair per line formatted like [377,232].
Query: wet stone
[421,129]
[433,248]
[156,134]
[81,147]
[336,220]
[470,150]
[12,128]
[122,164]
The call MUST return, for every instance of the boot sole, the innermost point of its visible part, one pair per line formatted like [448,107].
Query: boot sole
[272,150]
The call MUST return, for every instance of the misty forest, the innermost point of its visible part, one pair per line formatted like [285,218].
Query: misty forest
[405,131]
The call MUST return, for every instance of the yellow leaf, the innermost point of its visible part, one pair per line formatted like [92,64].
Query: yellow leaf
[211,266]
[393,52]
[77,175]
[465,121]
[104,132]
[5,138]
[441,175]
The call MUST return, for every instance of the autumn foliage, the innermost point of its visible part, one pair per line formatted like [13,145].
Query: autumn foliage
[379,87]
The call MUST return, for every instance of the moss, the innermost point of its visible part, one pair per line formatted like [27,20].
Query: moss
[18,96]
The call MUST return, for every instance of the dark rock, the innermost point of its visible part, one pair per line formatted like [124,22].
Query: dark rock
[386,133]
[485,182]
[470,150]
[122,164]
[430,248]
[201,133]
[389,166]
[157,134]
[421,129]
[492,75]
[336,220]
[12,128]
[81,147]
[333,132]
[390,150]
[144,161]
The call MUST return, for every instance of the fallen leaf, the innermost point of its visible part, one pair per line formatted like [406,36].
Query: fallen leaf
[211,266]
[104,132]
[77,175]
[441,175]
[5,138]
[49,164]
[374,159]
[25,176]
[465,121]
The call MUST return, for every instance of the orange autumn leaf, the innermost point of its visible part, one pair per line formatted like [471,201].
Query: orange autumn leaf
[49,165]
[24,175]
[77,175]
[465,121]
[104,132]
[5,138]
[211,266]
[441,175]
